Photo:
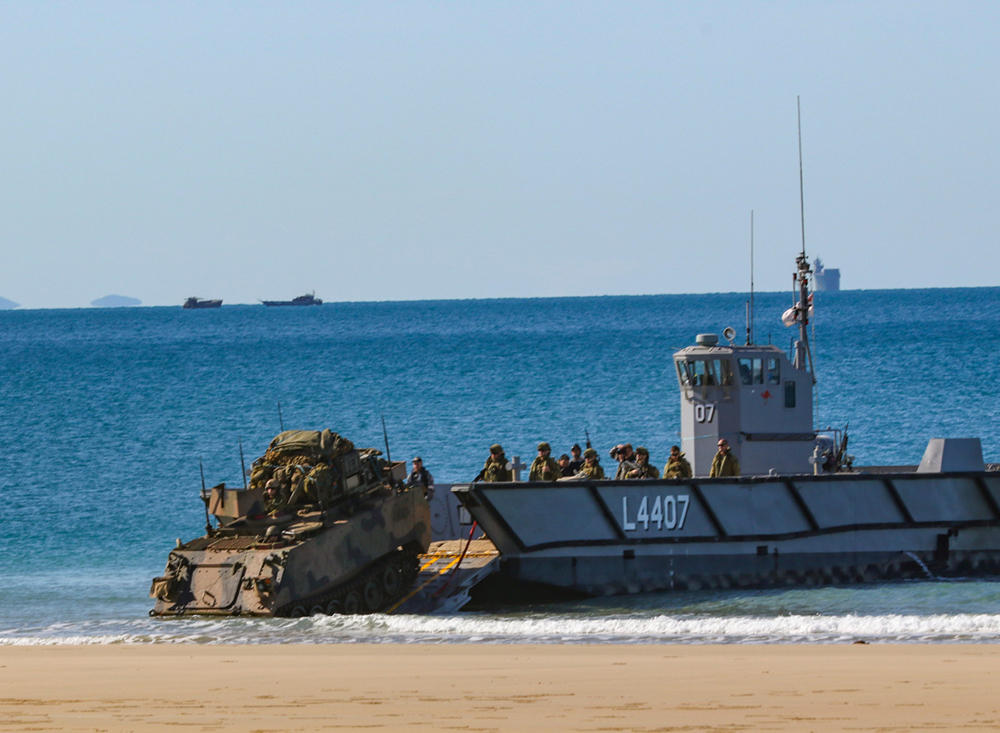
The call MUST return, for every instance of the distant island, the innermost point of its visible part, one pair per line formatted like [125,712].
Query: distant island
[6,305]
[115,301]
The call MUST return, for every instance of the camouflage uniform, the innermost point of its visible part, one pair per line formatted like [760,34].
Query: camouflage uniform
[724,464]
[646,470]
[544,469]
[594,470]
[276,503]
[495,468]
[623,468]
[679,468]
[642,469]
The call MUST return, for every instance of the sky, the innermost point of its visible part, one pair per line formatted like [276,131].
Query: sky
[427,150]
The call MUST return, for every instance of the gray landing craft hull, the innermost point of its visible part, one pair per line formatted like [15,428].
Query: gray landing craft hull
[612,537]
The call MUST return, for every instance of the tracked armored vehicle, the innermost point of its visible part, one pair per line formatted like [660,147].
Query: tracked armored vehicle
[323,527]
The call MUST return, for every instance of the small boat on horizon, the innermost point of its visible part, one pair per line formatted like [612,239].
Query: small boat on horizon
[309,299]
[199,303]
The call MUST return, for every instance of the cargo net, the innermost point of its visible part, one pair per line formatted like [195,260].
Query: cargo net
[307,467]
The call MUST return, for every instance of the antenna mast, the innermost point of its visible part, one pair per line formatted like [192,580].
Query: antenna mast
[803,356]
[243,465]
[204,499]
[750,330]
[385,435]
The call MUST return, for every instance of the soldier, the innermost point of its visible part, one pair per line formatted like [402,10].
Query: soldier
[677,466]
[724,463]
[577,460]
[421,477]
[626,460]
[274,500]
[591,466]
[643,468]
[495,468]
[564,466]
[544,467]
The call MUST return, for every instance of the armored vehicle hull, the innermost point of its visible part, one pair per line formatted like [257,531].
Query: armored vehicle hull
[618,537]
[316,564]
[322,528]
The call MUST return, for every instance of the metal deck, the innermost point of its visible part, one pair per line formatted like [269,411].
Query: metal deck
[446,577]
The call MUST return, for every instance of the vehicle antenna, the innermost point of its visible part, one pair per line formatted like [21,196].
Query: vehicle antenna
[204,499]
[281,421]
[385,435]
[243,464]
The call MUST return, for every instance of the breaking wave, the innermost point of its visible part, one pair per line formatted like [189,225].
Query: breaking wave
[521,629]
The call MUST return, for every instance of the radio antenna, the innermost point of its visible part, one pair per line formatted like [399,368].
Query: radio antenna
[802,196]
[385,435]
[281,421]
[243,464]
[204,499]
[750,315]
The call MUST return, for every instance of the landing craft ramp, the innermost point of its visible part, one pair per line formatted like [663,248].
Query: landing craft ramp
[448,571]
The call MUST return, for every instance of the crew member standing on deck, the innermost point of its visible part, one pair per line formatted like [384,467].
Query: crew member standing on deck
[564,466]
[724,463]
[643,468]
[626,460]
[591,466]
[677,466]
[577,460]
[421,477]
[544,467]
[496,465]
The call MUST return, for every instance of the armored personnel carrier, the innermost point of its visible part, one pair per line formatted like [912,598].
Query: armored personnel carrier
[323,527]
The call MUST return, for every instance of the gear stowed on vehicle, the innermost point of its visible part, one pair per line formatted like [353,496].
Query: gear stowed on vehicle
[322,528]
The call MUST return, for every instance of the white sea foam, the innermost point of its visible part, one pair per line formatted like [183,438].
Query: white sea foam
[467,628]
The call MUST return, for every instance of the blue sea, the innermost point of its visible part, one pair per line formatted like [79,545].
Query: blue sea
[104,415]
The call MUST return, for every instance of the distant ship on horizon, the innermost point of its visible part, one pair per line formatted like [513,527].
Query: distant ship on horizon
[310,299]
[826,278]
[199,303]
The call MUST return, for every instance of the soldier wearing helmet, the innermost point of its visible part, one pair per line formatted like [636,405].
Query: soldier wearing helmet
[591,468]
[495,468]
[544,467]
[643,468]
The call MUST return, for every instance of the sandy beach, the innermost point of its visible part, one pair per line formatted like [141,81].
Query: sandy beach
[501,688]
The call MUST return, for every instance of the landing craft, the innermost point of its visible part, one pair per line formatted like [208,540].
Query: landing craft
[799,513]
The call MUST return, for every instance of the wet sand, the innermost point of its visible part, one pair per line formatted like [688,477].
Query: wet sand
[501,688]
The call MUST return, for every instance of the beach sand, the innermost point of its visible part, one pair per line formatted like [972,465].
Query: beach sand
[505,688]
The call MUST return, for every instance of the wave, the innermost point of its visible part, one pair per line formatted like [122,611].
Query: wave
[526,629]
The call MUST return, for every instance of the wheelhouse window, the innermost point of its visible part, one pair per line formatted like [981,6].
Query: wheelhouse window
[683,373]
[751,371]
[705,372]
[789,394]
[773,371]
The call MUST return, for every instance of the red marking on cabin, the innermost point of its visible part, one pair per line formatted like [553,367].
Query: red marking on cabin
[766,395]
